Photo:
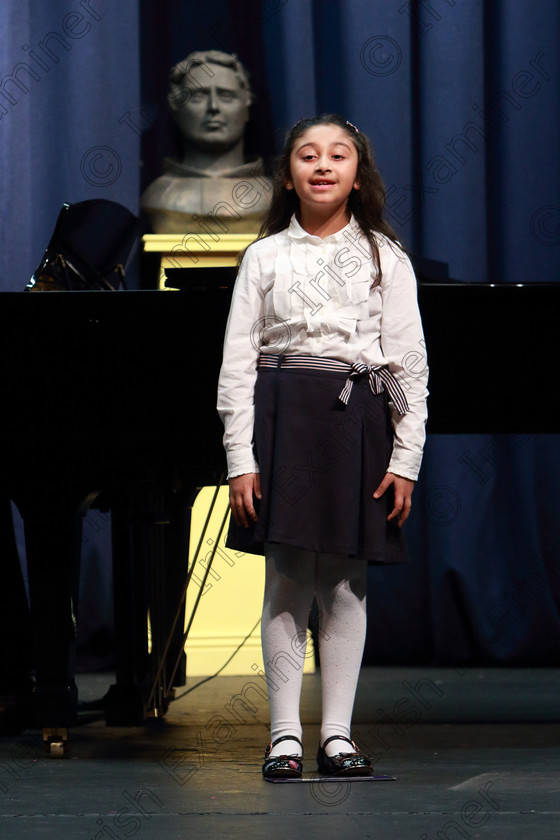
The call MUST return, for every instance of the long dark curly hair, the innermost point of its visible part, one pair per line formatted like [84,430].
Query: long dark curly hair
[366,204]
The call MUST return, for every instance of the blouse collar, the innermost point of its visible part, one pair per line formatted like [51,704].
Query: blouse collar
[297,233]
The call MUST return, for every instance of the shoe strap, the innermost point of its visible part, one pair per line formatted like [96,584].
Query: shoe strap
[340,738]
[279,740]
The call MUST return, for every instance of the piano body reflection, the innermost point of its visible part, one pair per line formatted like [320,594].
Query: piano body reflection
[109,399]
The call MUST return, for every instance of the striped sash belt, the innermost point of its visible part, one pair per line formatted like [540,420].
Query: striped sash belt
[380,378]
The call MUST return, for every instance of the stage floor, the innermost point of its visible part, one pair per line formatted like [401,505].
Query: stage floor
[475,753]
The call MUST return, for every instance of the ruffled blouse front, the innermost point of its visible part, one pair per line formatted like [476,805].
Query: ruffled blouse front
[316,286]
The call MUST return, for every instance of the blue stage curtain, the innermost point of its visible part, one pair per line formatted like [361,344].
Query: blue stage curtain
[483,584]
[461,103]
[69,75]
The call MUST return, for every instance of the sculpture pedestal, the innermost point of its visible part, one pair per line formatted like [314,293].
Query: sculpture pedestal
[194,250]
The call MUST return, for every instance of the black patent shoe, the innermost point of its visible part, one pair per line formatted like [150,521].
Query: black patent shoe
[283,766]
[352,763]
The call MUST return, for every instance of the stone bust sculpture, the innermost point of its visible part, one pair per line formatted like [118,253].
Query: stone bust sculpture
[212,189]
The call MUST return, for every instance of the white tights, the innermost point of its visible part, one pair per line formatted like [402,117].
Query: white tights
[339,583]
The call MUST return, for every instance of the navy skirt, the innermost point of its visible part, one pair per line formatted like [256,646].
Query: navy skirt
[320,462]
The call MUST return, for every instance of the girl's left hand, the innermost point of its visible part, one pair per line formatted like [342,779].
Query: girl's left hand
[403,488]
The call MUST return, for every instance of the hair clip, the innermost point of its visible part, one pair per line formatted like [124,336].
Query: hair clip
[352,126]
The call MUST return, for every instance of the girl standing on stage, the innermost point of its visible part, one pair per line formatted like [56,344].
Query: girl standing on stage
[322,393]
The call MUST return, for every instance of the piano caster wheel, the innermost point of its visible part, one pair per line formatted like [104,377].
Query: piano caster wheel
[56,742]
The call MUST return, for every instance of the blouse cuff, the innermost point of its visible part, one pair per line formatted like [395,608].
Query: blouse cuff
[241,465]
[405,467]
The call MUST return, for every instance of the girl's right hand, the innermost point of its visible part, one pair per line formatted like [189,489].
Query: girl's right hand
[242,491]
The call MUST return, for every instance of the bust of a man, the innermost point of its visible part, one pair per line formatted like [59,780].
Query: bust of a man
[212,188]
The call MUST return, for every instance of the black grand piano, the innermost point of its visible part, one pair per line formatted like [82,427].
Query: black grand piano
[109,400]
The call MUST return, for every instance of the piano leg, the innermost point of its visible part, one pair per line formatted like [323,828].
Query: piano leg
[124,702]
[167,563]
[16,645]
[53,544]
[150,544]
[177,537]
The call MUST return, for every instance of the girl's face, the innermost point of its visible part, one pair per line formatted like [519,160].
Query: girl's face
[323,169]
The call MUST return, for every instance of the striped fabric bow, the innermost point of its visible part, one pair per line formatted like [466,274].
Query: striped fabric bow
[380,378]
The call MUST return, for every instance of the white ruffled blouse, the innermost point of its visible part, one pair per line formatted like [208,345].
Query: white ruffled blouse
[297,293]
